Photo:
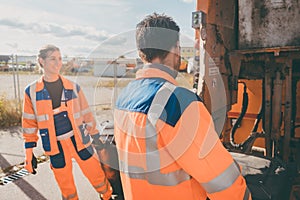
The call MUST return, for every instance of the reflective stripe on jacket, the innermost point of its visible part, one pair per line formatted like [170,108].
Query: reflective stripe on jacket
[167,145]
[38,116]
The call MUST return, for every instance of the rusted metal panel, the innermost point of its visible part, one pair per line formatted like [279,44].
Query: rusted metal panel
[222,14]
[269,23]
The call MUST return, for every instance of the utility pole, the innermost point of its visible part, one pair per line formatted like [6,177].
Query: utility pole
[14,74]
[18,82]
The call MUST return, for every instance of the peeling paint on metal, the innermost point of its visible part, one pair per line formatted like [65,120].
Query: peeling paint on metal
[269,23]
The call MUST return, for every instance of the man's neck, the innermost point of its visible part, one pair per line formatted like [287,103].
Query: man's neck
[162,67]
[162,62]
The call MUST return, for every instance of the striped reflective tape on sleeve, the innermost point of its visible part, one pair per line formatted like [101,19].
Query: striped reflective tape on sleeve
[85,111]
[77,115]
[28,116]
[29,130]
[154,177]
[224,180]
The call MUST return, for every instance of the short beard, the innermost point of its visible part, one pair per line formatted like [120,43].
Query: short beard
[178,63]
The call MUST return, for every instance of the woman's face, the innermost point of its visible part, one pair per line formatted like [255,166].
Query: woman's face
[52,63]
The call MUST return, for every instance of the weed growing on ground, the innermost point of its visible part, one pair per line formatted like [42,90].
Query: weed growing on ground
[10,112]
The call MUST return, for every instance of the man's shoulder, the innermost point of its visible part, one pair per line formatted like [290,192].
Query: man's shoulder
[181,99]
[184,94]
[138,95]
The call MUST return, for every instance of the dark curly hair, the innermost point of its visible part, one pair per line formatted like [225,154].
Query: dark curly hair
[156,34]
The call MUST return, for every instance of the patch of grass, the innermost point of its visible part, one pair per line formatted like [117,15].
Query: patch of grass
[101,107]
[185,80]
[113,83]
[10,112]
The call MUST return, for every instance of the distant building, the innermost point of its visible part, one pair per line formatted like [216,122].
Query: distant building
[5,58]
[187,53]
[114,67]
[24,63]
[26,59]
[106,68]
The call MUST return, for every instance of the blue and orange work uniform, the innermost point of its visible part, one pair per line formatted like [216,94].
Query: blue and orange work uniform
[167,144]
[65,132]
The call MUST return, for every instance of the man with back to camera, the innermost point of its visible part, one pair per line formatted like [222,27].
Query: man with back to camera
[167,145]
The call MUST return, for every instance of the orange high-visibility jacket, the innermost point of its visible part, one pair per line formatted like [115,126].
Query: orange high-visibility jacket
[38,116]
[167,145]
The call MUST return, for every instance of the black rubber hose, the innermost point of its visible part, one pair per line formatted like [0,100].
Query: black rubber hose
[258,118]
[241,116]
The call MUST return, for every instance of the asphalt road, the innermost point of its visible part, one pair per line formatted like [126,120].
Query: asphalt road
[42,186]
[99,93]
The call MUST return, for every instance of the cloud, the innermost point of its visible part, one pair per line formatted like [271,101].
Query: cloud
[100,2]
[188,1]
[57,30]
[78,50]
[12,45]
[77,26]
[115,46]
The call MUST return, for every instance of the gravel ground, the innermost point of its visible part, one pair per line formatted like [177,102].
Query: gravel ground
[98,90]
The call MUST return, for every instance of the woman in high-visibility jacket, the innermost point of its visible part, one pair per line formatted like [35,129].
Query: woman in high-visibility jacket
[167,145]
[56,108]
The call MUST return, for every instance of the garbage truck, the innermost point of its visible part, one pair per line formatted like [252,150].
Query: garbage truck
[247,59]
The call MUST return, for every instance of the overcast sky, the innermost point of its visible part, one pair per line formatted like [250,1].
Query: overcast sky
[83,27]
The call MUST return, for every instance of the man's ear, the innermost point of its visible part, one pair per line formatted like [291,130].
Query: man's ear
[176,49]
[142,56]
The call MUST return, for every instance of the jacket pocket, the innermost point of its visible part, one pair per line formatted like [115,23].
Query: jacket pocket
[58,161]
[45,139]
[86,153]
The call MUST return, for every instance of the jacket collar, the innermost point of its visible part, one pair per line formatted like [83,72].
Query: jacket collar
[157,71]
[66,83]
